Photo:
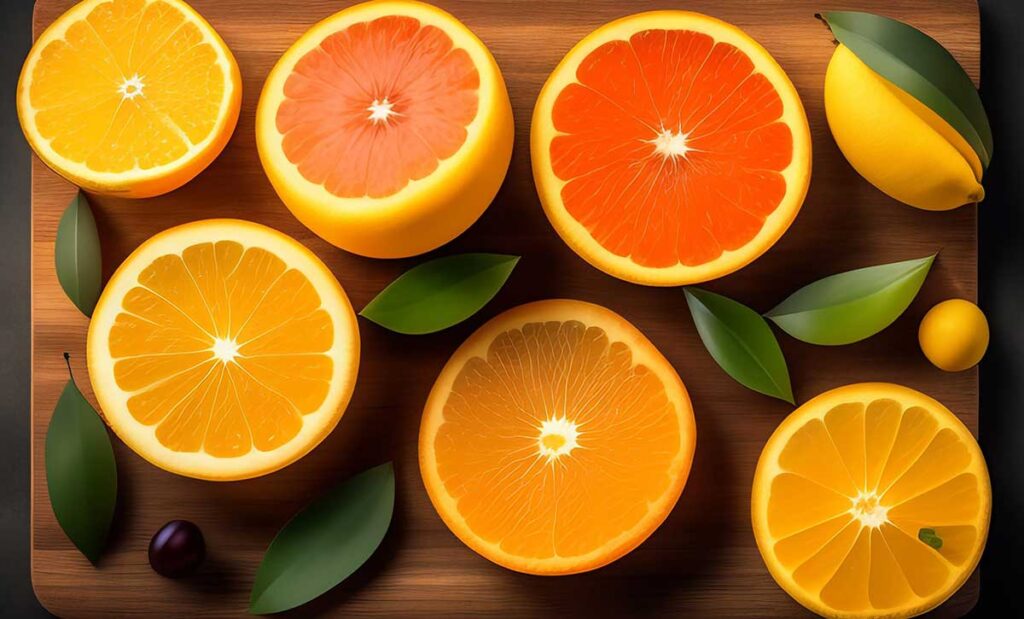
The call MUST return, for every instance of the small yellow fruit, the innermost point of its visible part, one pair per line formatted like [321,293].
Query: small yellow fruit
[895,142]
[954,335]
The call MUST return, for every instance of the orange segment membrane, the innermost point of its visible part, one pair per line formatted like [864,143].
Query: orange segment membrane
[555,443]
[221,348]
[857,486]
[671,147]
[376,106]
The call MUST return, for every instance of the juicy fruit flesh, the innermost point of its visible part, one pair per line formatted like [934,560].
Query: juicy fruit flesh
[135,85]
[856,488]
[672,147]
[223,349]
[377,105]
[556,443]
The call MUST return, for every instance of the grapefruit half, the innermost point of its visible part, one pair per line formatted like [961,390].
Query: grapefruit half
[670,148]
[386,128]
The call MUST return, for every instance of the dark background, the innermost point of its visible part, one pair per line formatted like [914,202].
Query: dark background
[1001,292]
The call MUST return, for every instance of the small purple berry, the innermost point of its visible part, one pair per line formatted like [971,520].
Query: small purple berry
[177,549]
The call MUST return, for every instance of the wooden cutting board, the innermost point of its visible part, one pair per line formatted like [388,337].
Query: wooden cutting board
[703,560]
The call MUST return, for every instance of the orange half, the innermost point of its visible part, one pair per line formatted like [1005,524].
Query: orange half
[850,490]
[129,97]
[556,439]
[670,148]
[222,349]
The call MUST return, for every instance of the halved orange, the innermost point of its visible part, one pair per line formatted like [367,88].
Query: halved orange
[871,500]
[223,349]
[556,439]
[386,128]
[129,97]
[670,148]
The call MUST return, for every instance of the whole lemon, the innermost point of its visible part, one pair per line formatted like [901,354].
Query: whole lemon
[896,142]
[954,335]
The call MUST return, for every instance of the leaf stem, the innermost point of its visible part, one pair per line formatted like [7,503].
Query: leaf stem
[67,360]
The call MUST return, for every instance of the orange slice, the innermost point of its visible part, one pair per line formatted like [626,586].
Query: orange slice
[222,349]
[129,97]
[670,148]
[556,439]
[850,487]
[386,128]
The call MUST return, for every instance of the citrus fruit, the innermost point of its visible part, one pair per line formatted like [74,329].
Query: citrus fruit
[954,335]
[556,439]
[129,97]
[895,142]
[871,500]
[670,148]
[222,349]
[386,128]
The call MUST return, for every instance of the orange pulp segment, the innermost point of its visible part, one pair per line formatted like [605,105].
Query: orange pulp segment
[848,489]
[670,148]
[556,439]
[222,349]
[386,128]
[132,97]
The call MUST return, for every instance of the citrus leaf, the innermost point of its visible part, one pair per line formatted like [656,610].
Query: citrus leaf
[851,306]
[741,342]
[440,293]
[81,475]
[326,542]
[920,66]
[77,255]
[930,537]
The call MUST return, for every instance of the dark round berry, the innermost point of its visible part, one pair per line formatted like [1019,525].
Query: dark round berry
[177,549]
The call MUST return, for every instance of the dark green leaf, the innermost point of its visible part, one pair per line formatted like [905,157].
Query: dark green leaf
[741,342]
[920,66]
[440,293]
[326,542]
[77,255]
[80,472]
[851,306]
[928,536]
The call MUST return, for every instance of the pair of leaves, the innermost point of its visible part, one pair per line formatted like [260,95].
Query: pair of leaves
[77,255]
[920,66]
[326,542]
[839,309]
[81,475]
[440,293]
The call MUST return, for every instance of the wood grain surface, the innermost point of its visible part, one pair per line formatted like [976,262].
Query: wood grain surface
[702,562]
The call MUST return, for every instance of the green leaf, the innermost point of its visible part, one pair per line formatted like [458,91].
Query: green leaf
[325,542]
[81,475]
[928,536]
[741,342]
[851,306]
[920,66]
[440,293]
[77,255]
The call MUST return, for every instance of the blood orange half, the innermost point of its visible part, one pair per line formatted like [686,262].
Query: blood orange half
[386,128]
[670,148]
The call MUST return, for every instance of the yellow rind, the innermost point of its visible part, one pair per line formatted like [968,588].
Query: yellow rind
[426,213]
[895,142]
[549,187]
